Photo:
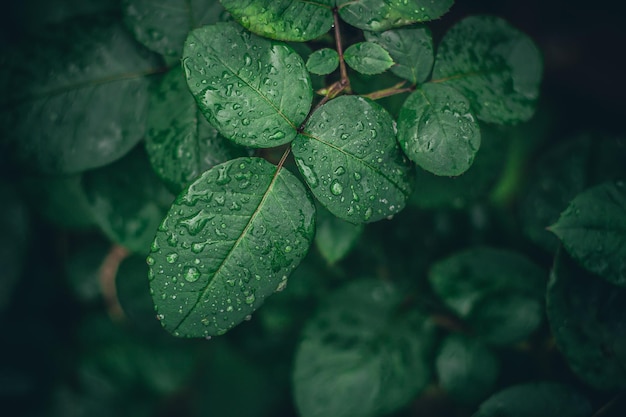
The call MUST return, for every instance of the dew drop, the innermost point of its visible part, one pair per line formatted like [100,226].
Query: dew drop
[171,258]
[192,274]
[336,188]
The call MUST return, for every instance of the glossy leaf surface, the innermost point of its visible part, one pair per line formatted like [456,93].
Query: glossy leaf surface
[334,237]
[411,50]
[368,58]
[593,230]
[230,240]
[323,61]
[254,91]
[180,142]
[380,15]
[348,361]
[80,97]
[438,131]
[162,25]
[542,399]
[495,65]
[287,20]
[588,319]
[350,159]
[498,292]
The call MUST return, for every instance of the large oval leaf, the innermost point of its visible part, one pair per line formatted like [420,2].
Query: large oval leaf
[358,357]
[79,97]
[350,159]
[254,91]
[287,20]
[437,130]
[229,241]
[495,65]
[384,14]
[180,142]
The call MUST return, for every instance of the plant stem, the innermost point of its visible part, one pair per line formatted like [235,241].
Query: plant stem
[396,89]
[345,81]
[108,272]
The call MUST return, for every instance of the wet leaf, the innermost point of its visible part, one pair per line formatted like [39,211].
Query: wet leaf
[287,20]
[254,91]
[541,399]
[368,58]
[499,293]
[350,159]
[496,66]
[438,131]
[593,230]
[230,240]
[334,237]
[180,142]
[466,369]
[358,357]
[323,61]
[588,321]
[87,107]
[411,50]
[380,15]
[162,25]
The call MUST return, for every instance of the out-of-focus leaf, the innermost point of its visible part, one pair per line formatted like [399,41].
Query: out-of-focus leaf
[334,237]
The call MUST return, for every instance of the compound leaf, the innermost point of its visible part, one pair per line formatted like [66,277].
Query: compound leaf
[495,65]
[229,240]
[180,142]
[378,15]
[323,61]
[350,159]
[368,58]
[438,131]
[254,91]
[411,50]
[358,358]
[286,20]
[498,292]
[593,230]
[334,237]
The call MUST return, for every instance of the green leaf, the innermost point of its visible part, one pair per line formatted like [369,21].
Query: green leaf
[127,200]
[254,91]
[83,270]
[350,159]
[323,61]
[380,15]
[368,58]
[80,96]
[495,65]
[466,369]
[498,292]
[229,241]
[593,231]
[588,319]
[334,237]
[541,399]
[358,357]
[180,142]
[438,131]
[163,25]
[287,20]
[411,50]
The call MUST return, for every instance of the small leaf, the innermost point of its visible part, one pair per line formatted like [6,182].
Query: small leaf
[180,142]
[255,92]
[541,399]
[593,231]
[380,15]
[411,50]
[323,61]
[334,237]
[285,20]
[368,58]
[588,319]
[437,130]
[466,369]
[162,25]
[495,65]
[350,159]
[498,292]
[358,358]
[229,241]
